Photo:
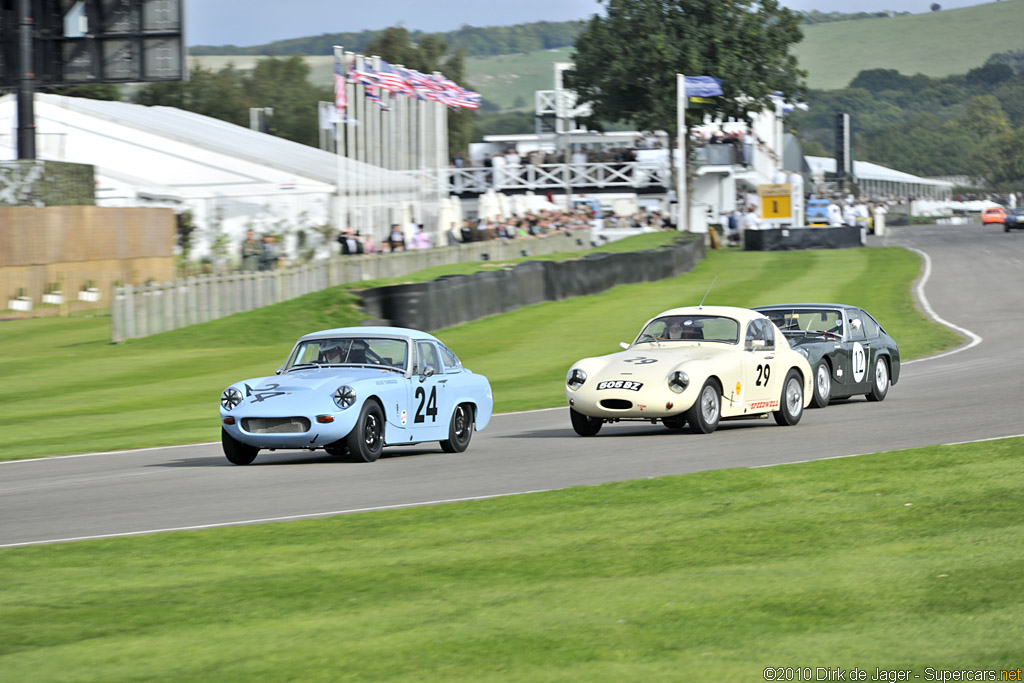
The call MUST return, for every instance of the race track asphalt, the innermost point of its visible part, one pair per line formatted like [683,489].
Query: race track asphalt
[976,282]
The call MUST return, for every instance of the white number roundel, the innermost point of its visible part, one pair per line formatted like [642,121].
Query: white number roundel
[860,362]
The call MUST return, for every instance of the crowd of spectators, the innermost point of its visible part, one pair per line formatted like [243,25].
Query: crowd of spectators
[532,225]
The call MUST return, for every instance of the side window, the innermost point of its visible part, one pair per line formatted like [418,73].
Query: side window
[870,326]
[450,360]
[769,334]
[755,332]
[856,327]
[427,353]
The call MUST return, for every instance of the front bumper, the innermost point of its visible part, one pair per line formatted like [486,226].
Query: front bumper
[317,435]
[646,404]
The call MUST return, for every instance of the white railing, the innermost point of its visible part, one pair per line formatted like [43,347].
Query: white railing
[533,177]
[151,308]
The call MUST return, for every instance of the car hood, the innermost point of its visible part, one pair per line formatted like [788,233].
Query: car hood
[315,379]
[653,361]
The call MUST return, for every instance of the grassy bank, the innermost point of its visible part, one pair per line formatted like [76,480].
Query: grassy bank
[67,390]
[898,560]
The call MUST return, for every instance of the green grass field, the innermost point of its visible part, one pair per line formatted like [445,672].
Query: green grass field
[936,44]
[900,560]
[67,390]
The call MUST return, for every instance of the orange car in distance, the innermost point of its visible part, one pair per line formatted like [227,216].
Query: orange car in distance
[994,215]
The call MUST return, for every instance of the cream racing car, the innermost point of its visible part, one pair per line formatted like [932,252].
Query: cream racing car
[692,367]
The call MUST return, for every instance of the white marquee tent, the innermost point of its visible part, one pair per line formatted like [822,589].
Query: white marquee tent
[230,177]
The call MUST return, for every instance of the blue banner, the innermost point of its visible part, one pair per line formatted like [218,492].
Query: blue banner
[703,86]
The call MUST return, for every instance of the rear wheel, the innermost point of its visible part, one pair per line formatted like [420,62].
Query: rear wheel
[460,431]
[235,451]
[366,440]
[583,424]
[880,385]
[704,414]
[822,385]
[791,404]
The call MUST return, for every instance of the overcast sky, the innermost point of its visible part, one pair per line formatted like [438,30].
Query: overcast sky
[255,22]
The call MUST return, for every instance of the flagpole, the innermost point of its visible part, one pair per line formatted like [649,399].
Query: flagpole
[339,55]
[682,200]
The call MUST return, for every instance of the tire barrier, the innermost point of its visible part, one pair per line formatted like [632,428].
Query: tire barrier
[454,299]
[786,239]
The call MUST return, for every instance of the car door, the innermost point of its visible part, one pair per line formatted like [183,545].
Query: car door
[861,352]
[428,400]
[761,388]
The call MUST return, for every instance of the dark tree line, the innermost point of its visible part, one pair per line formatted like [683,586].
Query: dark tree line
[970,124]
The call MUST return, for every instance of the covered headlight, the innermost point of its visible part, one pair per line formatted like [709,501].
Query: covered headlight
[575,378]
[803,352]
[678,381]
[230,398]
[344,397]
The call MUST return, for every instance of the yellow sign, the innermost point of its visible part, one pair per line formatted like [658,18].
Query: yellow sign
[776,200]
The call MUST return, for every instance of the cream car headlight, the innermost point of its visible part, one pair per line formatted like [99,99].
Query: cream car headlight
[344,397]
[575,379]
[230,398]
[678,381]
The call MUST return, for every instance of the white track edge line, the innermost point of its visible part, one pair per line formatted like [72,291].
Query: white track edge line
[286,518]
[919,290]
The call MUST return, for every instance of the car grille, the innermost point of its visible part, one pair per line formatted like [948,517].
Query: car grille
[616,404]
[275,425]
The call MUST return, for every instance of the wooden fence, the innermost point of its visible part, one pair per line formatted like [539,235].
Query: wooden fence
[145,309]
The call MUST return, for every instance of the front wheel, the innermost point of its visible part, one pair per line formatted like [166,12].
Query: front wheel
[674,422]
[880,385]
[791,404]
[366,440]
[822,385]
[583,424]
[460,431]
[235,451]
[706,411]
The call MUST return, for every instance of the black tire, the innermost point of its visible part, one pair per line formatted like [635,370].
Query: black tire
[337,449]
[674,422]
[366,440]
[706,411]
[235,451]
[1006,228]
[879,380]
[822,385]
[584,425]
[460,429]
[791,402]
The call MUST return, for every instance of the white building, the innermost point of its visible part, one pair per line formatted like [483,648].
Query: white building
[231,178]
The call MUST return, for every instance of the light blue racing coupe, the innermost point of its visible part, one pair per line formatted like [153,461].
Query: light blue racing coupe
[354,390]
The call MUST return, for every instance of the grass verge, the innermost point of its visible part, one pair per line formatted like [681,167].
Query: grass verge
[900,560]
[66,390]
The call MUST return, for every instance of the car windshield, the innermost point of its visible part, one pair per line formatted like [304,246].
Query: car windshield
[714,328]
[807,320]
[387,352]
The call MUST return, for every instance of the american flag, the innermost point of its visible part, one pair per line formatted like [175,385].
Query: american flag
[390,79]
[365,75]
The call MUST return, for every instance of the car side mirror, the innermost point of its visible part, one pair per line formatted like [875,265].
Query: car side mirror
[279,370]
[427,372]
[623,345]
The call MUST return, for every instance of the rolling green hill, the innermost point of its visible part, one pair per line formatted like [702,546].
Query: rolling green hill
[935,44]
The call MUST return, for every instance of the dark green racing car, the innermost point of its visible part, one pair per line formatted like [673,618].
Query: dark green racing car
[849,352]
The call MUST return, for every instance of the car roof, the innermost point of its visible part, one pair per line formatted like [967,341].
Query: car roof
[370,331]
[776,307]
[736,312]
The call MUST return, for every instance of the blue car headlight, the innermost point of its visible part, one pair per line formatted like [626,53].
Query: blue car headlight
[230,398]
[678,381]
[344,397]
[575,379]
